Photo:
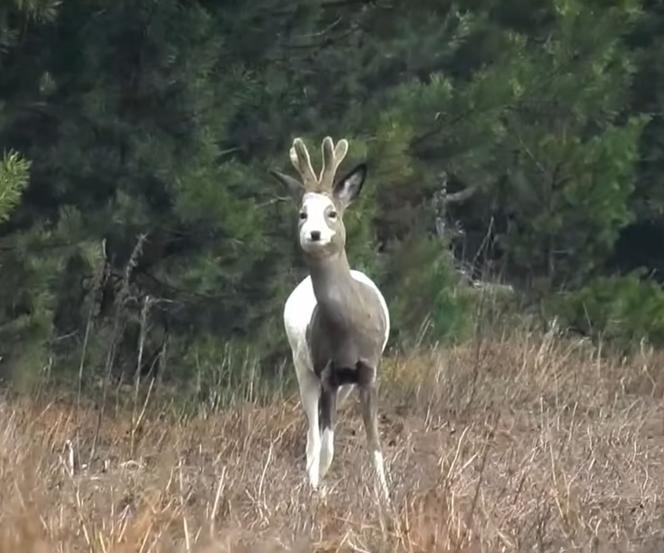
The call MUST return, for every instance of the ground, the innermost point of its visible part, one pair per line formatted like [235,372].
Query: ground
[523,443]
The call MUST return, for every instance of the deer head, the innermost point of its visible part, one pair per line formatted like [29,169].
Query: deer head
[323,198]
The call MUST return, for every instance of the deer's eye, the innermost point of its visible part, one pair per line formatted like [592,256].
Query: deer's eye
[303,215]
[332,214]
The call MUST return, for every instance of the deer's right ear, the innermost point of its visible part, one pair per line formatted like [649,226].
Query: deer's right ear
[348,188]
[294,186]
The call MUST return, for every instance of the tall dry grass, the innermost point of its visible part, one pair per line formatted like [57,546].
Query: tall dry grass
[526,442]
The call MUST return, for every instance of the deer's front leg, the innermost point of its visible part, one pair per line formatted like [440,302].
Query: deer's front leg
[310,393]
[328,410]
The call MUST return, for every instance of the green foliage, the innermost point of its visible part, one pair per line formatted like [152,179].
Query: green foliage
[570,172]
[427,299]
[17,14]
[39,10]
[14,175]
[225,374]
[622,309]
[646,42]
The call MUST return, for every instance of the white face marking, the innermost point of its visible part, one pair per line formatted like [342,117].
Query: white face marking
[315,206]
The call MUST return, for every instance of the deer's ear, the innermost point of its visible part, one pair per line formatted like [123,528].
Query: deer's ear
[293,185]
[348,188]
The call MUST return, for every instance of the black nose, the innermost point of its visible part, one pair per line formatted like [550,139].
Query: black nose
[315,235]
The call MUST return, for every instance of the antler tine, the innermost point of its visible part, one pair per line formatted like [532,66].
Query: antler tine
[300,159]
[332,158]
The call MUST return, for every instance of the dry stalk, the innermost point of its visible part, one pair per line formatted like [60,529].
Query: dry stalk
[118,327]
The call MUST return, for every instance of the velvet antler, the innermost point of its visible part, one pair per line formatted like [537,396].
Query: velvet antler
[332,158]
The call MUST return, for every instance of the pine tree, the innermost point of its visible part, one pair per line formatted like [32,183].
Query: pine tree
[539,132]
[573,148]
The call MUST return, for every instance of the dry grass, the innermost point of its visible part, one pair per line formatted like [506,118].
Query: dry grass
[526,443]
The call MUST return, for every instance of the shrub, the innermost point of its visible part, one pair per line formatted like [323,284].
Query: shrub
[623,308]
[427,298]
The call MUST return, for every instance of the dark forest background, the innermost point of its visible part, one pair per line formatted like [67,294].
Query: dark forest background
[514,147]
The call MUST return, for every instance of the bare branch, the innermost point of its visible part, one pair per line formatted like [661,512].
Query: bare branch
[462,195]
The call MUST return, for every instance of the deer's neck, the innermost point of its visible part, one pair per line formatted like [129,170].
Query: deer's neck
[334,286]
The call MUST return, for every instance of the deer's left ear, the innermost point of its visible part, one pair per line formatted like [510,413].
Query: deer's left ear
[348,188]
[294,186]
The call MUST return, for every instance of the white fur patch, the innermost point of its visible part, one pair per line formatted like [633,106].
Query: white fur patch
[379,467]
[310,394]
[327,451]
[315,205]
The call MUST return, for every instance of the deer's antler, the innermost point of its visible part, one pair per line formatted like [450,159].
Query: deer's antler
[332,158]
[302,162]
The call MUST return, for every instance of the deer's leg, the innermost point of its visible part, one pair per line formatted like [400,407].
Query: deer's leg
[344,392]
[310,393]
[368,401]
[328,412]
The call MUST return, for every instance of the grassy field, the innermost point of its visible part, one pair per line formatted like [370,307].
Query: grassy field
[523,443]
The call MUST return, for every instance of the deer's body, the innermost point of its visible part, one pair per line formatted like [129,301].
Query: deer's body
[299,316]
[336,319]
